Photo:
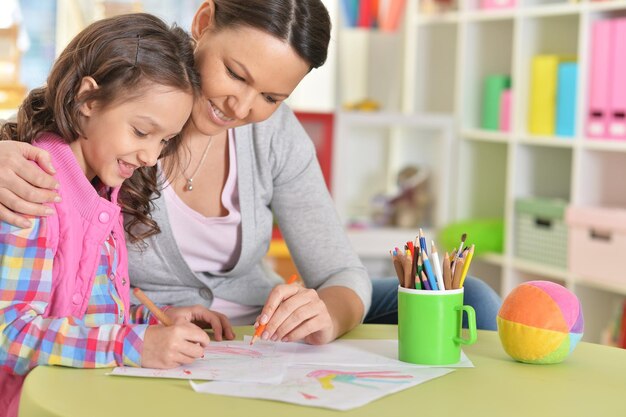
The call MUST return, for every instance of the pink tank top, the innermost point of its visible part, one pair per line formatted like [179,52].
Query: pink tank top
[208,244]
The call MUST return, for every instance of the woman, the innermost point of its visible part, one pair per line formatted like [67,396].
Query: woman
[244,161]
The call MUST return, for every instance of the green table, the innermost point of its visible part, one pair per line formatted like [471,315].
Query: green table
[591,382]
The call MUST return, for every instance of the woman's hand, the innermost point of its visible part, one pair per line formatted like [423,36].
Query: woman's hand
[204,318]
[172,346]
[23,185]
[293,312]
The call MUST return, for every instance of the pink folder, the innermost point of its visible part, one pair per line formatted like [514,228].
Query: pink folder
[617,103]
[505,111]
[600,72]
[497,4]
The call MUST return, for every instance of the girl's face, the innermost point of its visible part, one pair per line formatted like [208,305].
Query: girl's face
[124,136]
[246,74]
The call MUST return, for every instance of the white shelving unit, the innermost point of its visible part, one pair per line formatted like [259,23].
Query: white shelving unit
[447,58]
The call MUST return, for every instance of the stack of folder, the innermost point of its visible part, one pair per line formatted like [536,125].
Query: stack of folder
[553,92]
[606,113]
[496,106]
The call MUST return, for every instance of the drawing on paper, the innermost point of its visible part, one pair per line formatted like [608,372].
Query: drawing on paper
[326,378]
[231,352]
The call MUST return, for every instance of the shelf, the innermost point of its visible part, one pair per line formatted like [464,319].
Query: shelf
[484,16]
[396,119]
[605,145]
[549,141]
[486,135]
[448,58]
[497,259]
[605,6]
[557,9]
[604,286]
[540,269]
[437,19]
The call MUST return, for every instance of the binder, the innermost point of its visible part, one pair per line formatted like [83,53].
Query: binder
[493,88]
[541,120]
[600,74]
[497,4]
[506,103]
[566,99]
[617,88]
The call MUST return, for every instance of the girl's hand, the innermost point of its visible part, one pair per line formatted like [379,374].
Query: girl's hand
[172,346]
[23,185]
[204,318]
[292,313]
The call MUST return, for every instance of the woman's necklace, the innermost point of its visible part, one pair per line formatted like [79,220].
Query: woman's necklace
[189,185]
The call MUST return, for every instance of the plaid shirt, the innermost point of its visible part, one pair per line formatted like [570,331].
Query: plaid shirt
[28,339]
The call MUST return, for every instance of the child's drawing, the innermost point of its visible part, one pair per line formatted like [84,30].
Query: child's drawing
[228,361]
[341,388]
[360,378]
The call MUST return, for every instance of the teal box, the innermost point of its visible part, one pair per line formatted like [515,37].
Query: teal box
[566,99]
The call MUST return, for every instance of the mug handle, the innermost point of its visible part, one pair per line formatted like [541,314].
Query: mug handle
[471,324]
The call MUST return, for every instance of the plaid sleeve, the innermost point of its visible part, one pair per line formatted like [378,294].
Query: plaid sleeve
[139,314]
[27,338]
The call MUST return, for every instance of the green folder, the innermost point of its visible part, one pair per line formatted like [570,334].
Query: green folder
[493,88]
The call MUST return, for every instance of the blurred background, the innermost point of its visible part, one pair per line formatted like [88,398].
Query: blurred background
[502,119]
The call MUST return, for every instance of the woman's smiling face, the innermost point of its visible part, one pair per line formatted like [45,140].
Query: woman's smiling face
[246,73]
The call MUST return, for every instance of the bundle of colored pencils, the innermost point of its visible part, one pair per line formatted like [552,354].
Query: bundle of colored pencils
[417,269]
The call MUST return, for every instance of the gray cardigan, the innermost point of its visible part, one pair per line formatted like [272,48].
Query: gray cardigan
[278,173]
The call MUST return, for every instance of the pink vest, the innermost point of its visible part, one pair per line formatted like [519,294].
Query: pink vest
[76,234]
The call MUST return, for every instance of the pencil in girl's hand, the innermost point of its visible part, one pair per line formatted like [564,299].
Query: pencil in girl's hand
[156,311]
[259,330]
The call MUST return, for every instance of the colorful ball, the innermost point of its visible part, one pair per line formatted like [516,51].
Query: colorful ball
[540,322]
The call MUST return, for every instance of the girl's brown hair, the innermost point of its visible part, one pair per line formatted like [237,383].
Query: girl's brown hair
[123,54]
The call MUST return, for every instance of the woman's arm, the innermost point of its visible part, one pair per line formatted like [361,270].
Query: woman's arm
[318,244]
[25,185]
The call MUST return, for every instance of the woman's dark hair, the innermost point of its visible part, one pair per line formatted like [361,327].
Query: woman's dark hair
[304,24]
[124,55]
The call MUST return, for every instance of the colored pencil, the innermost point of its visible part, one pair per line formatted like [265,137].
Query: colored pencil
[259,330]
[466,265]
[156,311]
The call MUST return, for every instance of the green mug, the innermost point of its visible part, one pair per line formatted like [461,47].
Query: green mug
[430,326]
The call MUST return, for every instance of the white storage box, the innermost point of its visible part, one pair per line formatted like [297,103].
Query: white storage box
[597,243]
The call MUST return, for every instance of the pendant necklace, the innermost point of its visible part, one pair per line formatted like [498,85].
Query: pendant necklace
[189,185]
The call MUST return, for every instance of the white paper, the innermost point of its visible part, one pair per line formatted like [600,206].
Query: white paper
[361,352]
[228,361]
[337,387]
[269,362]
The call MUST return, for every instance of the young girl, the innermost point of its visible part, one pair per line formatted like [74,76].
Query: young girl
[116,99]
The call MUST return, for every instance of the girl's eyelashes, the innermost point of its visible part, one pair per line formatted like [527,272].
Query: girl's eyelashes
[139,133]
[270,99]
